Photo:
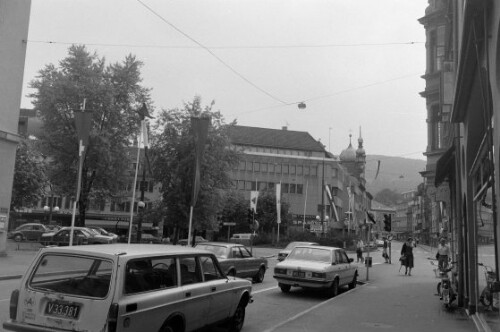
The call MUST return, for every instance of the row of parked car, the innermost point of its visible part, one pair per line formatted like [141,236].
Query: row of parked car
[118,287]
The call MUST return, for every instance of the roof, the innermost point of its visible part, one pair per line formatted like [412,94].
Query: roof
[123,249]
[276,138]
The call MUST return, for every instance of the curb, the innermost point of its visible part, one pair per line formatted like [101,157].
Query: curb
[480,322]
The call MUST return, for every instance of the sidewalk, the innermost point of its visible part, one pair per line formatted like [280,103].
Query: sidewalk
[389,300]
[18,258]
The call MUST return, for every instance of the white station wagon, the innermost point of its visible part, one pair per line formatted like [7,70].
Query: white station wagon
[317,267]
[120,287]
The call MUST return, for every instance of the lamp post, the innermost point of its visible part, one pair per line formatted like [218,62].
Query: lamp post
[46,210]
[140,207]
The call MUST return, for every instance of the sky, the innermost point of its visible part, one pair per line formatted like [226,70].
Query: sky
[356,64]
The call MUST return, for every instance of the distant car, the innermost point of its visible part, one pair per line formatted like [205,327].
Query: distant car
[285,252]
[242,238]
[81,235]
[198,239]
[53,228]
[379,242]
[102,231]
[236,260]
[127,287]
[316,267]
[29,231]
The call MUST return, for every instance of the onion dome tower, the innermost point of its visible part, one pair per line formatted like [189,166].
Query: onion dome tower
[354,160]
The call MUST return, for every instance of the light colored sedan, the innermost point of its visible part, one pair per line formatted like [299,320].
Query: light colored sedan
[285,252]
[316,267]
[236,260]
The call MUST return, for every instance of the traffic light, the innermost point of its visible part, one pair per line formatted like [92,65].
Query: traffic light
[250,217]
[387,222]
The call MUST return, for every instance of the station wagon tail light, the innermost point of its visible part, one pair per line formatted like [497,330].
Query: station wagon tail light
[14,299]
[279,271]
[318,275]
[113,317]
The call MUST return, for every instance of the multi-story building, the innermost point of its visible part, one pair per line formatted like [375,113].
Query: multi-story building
[303,167]
[463,98]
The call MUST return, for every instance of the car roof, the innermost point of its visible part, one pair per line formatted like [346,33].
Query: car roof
[124,249]
[223,244]
[319,247]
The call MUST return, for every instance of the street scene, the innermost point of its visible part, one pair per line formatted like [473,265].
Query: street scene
[210,165]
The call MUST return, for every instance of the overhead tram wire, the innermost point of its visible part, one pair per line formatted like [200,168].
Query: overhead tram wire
[212,53]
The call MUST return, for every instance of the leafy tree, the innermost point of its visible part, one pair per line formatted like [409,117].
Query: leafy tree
[266,211]
[29,176]
[113,93]
[172,151]
[235,208]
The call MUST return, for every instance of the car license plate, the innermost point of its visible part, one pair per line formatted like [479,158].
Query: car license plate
[63,309]
[299,274]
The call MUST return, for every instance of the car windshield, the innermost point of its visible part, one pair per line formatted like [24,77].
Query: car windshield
[311,254]
[72,275]
[219,251]
[89,232]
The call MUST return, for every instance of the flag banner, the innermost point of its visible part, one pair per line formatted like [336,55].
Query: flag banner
[371,218]
[278,203]
[254,196]
[144,141]
[332,203]
[199,129]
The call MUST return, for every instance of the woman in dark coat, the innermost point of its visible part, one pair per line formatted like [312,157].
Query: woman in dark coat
[407,251]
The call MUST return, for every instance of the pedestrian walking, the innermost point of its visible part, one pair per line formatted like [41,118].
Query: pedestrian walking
[407,252]
[443,254]
[384,252]
[359,251]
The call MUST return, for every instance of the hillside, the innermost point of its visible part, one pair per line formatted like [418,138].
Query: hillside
[396,173]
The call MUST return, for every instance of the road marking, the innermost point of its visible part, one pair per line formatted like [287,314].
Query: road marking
[307,311]
[264,290]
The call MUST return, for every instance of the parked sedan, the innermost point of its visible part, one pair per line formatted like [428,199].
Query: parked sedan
[316,267]
[285,252]
[198,239]
[29,231]
[236,260]
[102,231]
[81,235]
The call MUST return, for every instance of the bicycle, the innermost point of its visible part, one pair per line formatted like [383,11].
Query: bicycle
[490,295]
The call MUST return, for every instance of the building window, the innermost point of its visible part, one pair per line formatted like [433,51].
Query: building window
[256,167]
[241,185]
[271,168]
[292,169]
[285,169]
[292,188]
[262,185]
[241,165]
[334,172]
[270,185]
[306,170]
[300,189]
[249,166]
[299,169]
[263,167]
[278,168]
[284,188]
[248,185]
[314,171]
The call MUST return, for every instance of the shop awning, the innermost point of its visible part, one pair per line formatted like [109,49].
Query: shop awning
[445,166]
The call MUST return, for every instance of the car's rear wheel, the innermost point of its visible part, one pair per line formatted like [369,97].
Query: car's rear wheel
[285,288]
[259,277]
[334,289]
[236,322]
[18,238]
[354,281]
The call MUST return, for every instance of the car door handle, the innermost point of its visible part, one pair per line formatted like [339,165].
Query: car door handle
[188,294]
[213,289]
[131,307]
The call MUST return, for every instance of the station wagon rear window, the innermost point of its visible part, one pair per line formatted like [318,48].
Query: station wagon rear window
[72,275]
[311,254]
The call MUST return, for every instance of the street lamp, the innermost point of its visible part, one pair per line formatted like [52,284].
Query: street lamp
[46,210]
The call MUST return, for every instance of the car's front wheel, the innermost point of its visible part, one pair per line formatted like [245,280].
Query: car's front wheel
[285,288]
[236,322]
[259,277]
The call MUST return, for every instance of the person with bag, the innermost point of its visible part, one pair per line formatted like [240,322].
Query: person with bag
[359,251]
[407,252]
[443,254]
[384,252]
